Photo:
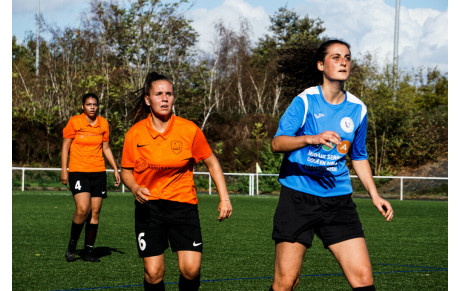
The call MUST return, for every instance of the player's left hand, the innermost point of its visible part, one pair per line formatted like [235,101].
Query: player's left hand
[225,210]
[384,207]
[117,178]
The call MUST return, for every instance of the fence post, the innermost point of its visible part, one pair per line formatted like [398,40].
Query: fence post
[257,183]
[23,174]
[210,189]
[402,186]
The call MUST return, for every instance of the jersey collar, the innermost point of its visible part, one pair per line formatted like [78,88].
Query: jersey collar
[85,121]
[154,133]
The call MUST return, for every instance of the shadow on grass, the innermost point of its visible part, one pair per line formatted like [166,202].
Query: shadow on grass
[100,252]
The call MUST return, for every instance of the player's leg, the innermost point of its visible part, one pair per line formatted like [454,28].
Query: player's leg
[152,241]
[186,240]
[293,231]
[189,267]
[353,257]
[91,228]
[82,209]
[154,271]
[288,264]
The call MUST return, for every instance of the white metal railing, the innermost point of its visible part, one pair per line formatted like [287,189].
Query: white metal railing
[253,178]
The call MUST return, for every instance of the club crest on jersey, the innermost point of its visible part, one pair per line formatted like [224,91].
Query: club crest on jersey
[347,124]
[176,146]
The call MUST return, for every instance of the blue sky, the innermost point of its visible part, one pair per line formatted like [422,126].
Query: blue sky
[423,23]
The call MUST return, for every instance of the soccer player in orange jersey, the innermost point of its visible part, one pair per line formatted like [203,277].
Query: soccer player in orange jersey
[157,165]
[87,137]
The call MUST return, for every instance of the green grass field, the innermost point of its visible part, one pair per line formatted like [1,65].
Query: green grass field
[410,253]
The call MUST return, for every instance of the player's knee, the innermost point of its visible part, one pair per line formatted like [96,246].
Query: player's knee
[154,275]
[190,272]
[364,276]
[95,217]
[82,212]
[286,282]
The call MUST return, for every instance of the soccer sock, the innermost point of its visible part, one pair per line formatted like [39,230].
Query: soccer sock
[152,287]
[189,285]
[90,234]
[271,288]
[75,232]
[365,288]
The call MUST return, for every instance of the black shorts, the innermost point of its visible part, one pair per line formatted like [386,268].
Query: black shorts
[158,222]
[299,216]
[93,182]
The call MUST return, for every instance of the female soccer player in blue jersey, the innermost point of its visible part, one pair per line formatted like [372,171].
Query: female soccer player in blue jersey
[319,128]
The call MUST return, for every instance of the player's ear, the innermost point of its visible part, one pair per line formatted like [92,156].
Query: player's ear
[320,65]
[146,99]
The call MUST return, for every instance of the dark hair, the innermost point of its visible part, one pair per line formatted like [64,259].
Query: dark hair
[89,95]
[321,51]
[141,110]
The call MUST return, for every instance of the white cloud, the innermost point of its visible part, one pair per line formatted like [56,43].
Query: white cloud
[231,12]
[367,25]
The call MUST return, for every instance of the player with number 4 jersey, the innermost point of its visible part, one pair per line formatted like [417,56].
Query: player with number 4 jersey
[86,136]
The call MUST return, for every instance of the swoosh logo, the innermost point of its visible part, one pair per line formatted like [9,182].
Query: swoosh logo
[196,244]
[141,145]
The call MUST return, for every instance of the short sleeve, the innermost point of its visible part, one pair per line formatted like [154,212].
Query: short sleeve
[292,119]
[69,130]
[127,158]
[358,148]
[200,148]
[105,127]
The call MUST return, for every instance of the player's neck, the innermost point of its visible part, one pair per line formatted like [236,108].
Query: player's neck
[159,124]
[333,92]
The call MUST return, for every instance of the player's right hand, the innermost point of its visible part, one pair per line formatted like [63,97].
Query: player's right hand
[327,138]
[141,194]
[64,177]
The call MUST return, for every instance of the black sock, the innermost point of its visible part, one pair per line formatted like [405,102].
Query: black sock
[152,287]
[189,285]
[90,234]
[271,288]
[75,232]
[365,288]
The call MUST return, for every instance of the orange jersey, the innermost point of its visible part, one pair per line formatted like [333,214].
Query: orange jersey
[163,162]
[86,147]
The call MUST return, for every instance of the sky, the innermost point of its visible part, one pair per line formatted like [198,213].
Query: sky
[367,25]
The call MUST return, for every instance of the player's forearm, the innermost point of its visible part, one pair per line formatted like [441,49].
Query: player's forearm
[217,176]
[364,173]
[284,143]
[128,179]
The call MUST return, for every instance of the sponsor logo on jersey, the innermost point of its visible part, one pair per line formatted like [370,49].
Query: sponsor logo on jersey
[343,147]
[319,115]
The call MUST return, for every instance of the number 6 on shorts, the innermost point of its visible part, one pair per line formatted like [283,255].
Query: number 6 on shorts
[141,241]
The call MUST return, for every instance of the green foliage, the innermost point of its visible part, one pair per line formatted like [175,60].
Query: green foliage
[236,93]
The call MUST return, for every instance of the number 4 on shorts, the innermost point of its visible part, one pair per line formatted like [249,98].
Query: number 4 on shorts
[77,185]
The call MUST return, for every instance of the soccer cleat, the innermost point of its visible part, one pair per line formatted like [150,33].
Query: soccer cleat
[88,256]
[70,253]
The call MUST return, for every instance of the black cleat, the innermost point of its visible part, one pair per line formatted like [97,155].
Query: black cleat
[88,256]
[70,253]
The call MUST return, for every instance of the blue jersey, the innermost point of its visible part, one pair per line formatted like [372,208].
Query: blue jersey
[317,169]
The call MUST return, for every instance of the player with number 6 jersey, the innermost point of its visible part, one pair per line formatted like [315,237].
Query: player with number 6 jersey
[86,136]
[159,153]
